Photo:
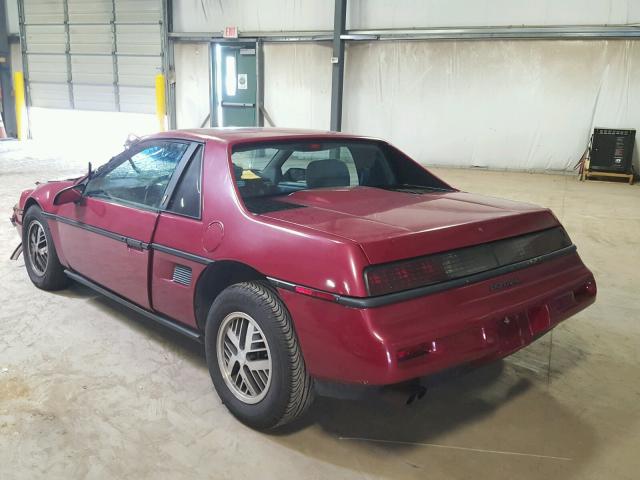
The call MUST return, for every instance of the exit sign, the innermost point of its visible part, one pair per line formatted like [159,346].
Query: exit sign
[230,32]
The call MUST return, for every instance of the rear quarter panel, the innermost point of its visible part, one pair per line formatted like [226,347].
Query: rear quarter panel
[271,247]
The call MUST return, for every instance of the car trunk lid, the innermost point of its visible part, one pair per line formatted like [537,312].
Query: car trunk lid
[393,225]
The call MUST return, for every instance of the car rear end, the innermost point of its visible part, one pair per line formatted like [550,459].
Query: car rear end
[436,312]
[436,278]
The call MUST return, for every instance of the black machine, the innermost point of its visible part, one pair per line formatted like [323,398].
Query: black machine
[612,150]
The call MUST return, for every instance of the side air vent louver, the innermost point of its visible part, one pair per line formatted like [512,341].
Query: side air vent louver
[182,275]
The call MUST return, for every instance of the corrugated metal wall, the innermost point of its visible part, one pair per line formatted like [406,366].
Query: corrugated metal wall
[93,54]
[514,104]
[282,15]
[521,105]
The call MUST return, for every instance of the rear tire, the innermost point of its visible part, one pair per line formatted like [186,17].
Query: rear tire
[254,358]
[40,256]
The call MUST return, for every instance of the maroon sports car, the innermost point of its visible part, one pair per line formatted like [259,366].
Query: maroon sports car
[302,257]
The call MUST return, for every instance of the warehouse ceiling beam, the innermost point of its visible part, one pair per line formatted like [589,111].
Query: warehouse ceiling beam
[559,32]
[291,36]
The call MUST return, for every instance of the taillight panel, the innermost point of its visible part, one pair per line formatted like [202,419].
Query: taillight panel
[459,263]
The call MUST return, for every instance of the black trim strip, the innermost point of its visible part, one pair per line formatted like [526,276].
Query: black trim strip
[282,284]
[97,230]
[131,242]
[373,302]
[181,254]
[172,324]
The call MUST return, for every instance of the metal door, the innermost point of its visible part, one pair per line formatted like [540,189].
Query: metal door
[234,85]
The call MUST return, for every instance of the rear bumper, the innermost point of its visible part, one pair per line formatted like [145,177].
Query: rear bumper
[479,322]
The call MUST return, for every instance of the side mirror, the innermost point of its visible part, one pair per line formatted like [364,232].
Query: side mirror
[71,194]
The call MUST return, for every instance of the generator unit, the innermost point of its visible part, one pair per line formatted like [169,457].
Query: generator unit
[612,150]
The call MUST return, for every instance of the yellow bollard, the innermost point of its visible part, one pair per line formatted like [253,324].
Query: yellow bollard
[161,102]
[18,88]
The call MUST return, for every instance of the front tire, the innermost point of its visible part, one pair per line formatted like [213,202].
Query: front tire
[40,256]
[254,358]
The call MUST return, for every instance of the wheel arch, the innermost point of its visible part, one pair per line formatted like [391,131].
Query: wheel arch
[214,279]
[29,203]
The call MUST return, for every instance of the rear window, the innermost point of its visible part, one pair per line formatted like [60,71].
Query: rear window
[271,170]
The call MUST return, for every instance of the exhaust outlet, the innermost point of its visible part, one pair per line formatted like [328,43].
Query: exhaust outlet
[403,394]
[418,394]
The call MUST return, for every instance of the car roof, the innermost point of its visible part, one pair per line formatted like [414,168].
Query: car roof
[231,135]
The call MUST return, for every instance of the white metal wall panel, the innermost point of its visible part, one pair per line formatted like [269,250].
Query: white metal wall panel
[46,38]
[94,97]
[92,69]
[137,99]
[299,15]
[193,86]
[247,15]
[133,71]
[138,11]
[47,68]
[90,11]
[139,39]
[50,95]
[522,105]
[297,80]
[44,11]
[376,14]
[137,88]
[90,39]
[114,53]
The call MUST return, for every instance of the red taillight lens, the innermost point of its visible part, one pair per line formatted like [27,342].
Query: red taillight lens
[403,276]
[463,262]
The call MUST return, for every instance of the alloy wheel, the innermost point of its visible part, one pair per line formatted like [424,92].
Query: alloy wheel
[244,357]
[38,248]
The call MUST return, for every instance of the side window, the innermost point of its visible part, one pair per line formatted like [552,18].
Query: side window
[186,199]
[140,177]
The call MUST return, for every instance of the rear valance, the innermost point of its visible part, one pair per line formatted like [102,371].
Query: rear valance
[455,264]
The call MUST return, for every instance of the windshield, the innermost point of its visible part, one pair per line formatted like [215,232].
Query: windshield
[269,170]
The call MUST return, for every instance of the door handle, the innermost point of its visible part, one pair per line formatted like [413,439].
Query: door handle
[237,104]
[135,244]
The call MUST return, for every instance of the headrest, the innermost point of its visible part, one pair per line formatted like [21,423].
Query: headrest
[327,173]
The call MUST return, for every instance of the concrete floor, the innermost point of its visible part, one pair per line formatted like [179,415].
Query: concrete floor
[90,390]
